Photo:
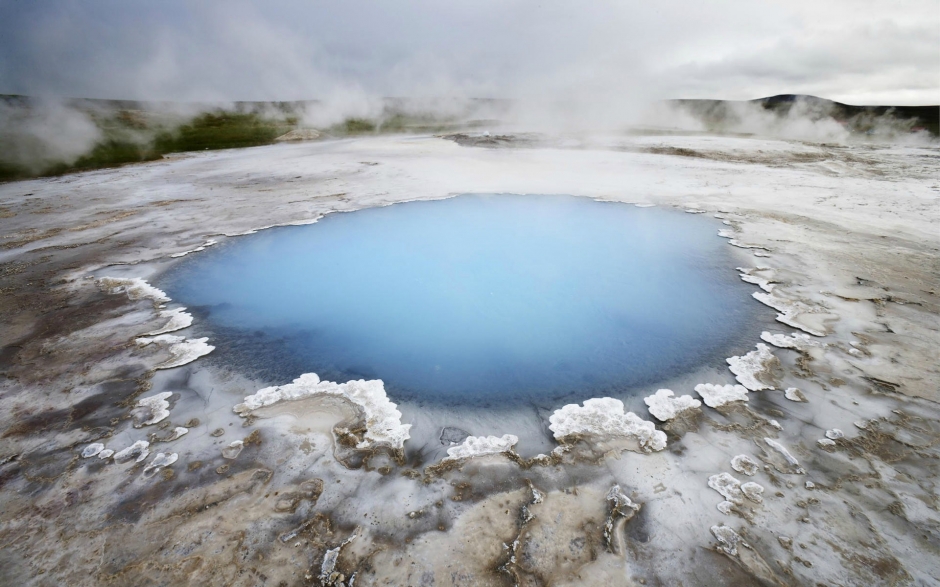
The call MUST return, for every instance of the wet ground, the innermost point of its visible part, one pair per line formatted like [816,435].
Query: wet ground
[838,480]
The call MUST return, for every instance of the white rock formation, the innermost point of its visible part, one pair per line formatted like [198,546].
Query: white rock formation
[383,420]
[155,406]
[92,449]
[748,368]
[786,454]
[796,341]
[745,464]
[789,310]
[135,288]
[476,446]
[728,539]
[201,247]
[605,417]
[665,406]
[718,395]
[160,461]
[753,491]
[177,319]
[137,450]
[183,350]
[728,486]
[794,395]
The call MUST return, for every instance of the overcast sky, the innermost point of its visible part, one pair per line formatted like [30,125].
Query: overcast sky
[854,51]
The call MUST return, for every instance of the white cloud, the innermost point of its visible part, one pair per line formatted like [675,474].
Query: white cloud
[608,54]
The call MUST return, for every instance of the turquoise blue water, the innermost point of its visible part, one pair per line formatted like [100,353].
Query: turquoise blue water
[475,299]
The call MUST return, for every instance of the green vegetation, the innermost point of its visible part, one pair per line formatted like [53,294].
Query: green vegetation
[222,130]
[395,122]
[129,137]
[719,115]
[131,132]
[354,126]
[108,153]
[39,139]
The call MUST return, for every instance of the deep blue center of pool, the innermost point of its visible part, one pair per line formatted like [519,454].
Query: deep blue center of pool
[478,298]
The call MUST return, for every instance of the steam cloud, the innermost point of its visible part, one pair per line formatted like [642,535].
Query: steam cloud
[46,132]
[611,53]
[561,66]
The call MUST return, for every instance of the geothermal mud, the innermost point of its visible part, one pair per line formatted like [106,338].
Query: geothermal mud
[811,458]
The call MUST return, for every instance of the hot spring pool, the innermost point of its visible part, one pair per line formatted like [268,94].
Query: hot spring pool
[477,299]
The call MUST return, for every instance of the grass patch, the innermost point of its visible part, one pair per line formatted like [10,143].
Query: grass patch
[130,137]
[222,130]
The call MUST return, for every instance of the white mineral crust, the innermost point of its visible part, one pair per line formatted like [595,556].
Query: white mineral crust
[138,449]
[728,486]
[233,449]
[794,395]
[383,420]
[201,247]
[665,405]
[745,464]
[605,417]
[177,319]
[789,310]
[753,276]
[183,350]
[718,395]
[156,406]
[746,369]
[476,446]
[796,341]
[161,460]
[728,539]
[92,449]
[135,288]
[783,451]
[753,491]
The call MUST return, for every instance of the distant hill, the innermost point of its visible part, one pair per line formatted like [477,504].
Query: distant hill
[859,119]
[48,137]
[42,137]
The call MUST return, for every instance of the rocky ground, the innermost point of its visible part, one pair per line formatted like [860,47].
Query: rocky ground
[124,462]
